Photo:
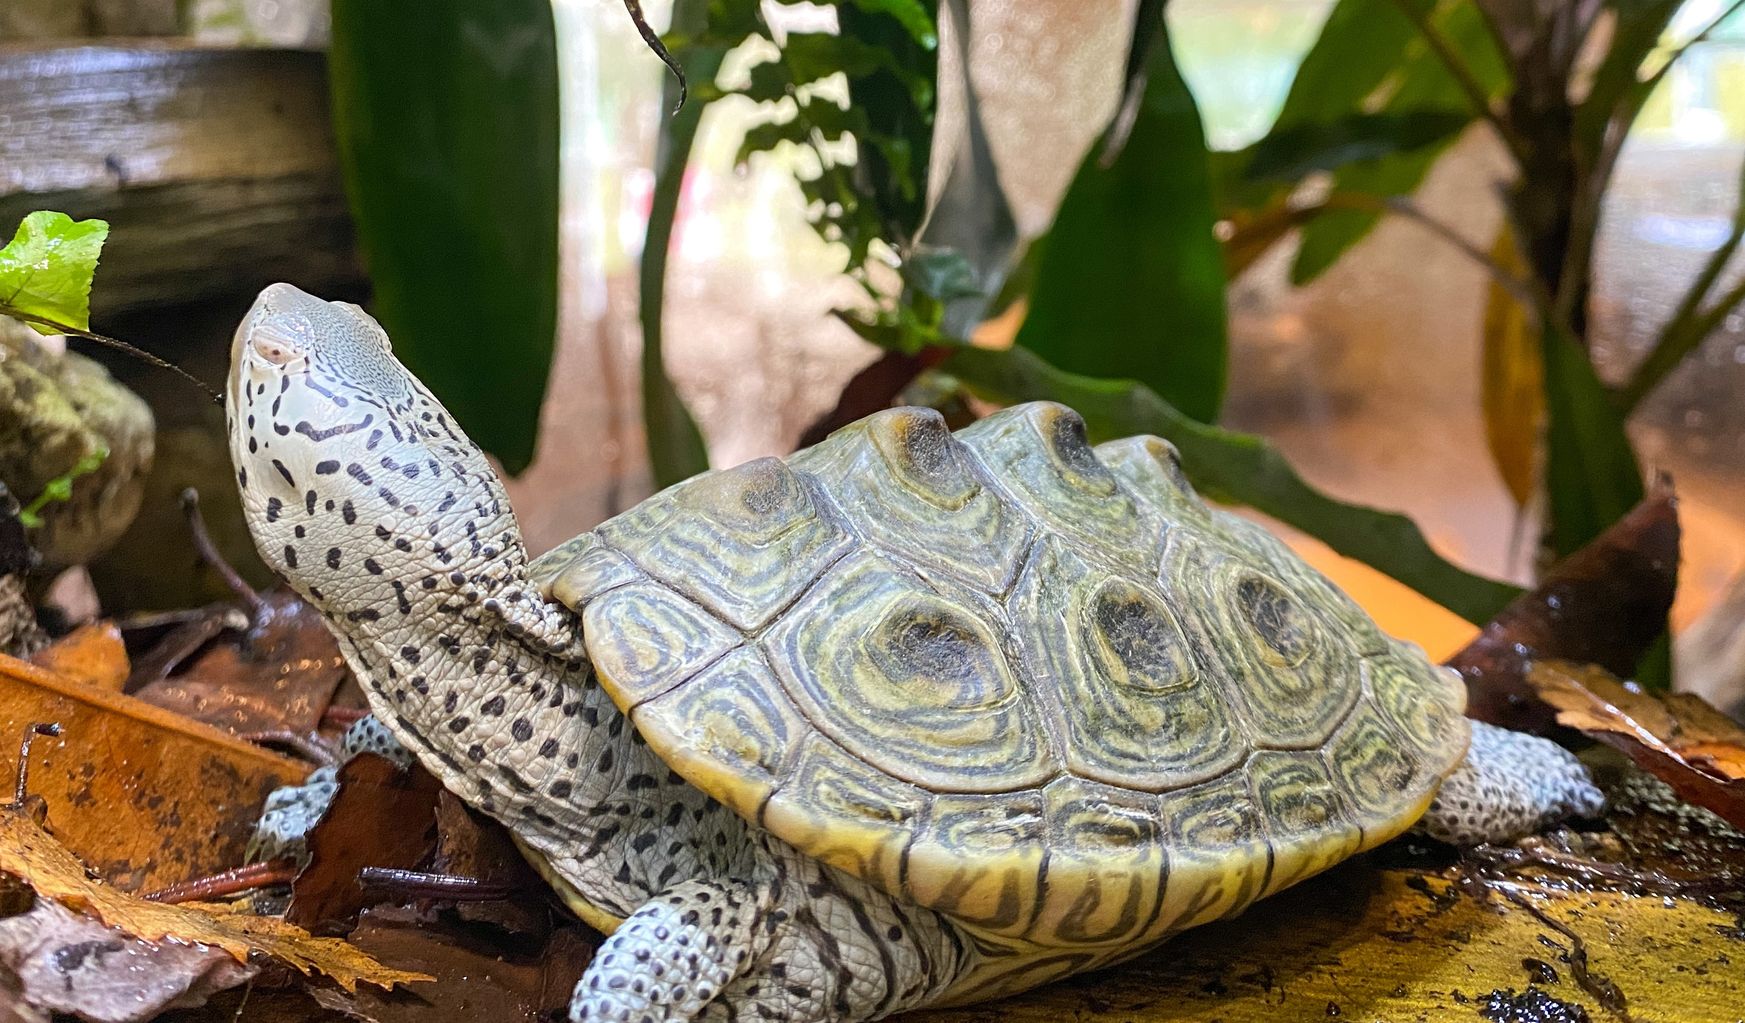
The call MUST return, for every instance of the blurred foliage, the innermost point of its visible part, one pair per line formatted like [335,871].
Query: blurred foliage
[1127,285]
[447,124]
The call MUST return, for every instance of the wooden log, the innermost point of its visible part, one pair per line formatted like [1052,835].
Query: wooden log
[215,167]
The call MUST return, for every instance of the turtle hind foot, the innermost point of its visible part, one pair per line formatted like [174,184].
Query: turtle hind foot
[1510,785]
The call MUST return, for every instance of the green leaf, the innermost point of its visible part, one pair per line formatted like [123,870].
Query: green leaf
[1423,85]
[675,445]
[1132,281]
[46,270]
[1288,155]
[1591,475]
[916,18]
[447,124]
[1236,468]
[1360,46]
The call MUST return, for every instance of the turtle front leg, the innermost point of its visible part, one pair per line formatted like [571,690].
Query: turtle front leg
[1510,785]
[809,945]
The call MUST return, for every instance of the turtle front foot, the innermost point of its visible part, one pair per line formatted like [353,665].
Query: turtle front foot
[289,813]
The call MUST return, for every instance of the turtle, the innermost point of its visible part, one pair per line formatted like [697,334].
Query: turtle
[912,717]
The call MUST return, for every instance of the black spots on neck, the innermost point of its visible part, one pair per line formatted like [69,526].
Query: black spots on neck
[326,467]
[290,556]
[309,499]
[286,473]
[349,513]
[357,472]
[274,508]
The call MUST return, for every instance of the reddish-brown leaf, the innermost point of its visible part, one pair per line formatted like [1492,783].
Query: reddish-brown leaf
[1684,742]
[1605,604]
[382,816]
[93,654]
[277,676]
[146,797]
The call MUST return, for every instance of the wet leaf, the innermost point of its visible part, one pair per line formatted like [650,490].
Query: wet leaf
[66,962]
[93,654]
[1603,605]
[47,268]
[1678,738]
[279,675]
[381,816]
[29,853]
[475,979]
[147,797]
[1512,379]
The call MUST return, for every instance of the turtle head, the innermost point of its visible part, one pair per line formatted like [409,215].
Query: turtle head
[353,476]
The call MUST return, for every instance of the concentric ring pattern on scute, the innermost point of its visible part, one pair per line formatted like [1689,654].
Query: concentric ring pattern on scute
[1032,684]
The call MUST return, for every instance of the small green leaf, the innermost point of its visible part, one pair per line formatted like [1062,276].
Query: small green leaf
[60,488]
[911,14]
[46,271]
[1236,468]
[1132,281]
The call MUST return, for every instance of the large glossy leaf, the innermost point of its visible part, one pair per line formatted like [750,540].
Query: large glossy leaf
[1132,281]
[675,445]
[1591,476]
[447,123]
[1237,468]
[1422,84]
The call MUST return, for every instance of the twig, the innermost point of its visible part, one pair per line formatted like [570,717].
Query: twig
[417,884]
[22,790]
[123,346]
[308,747]
[1475,94]
[226,883]
[652,38]
[208,552]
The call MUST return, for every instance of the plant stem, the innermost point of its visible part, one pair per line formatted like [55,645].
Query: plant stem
[123,346]
[1475,92]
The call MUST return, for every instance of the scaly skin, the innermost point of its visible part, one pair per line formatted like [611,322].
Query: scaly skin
[383,515]
[360,491]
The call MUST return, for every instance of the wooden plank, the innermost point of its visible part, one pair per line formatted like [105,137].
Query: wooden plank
[214,166]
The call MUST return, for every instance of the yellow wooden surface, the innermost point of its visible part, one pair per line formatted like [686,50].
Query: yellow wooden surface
[1368,944]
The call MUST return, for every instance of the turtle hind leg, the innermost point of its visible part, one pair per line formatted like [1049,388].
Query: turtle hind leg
[1510,785]
[812,945]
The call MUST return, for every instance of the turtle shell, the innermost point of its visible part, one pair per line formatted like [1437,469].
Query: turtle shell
[1036,686]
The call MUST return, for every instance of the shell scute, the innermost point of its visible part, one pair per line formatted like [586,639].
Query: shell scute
[1034,685]
[742,542]
[913,679]
[1133,704]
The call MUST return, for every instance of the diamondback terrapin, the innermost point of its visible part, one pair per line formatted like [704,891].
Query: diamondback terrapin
[908,718]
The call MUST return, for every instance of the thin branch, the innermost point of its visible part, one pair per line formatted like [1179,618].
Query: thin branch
[1527,291]
[1689,326]
[123,346]
[1475,92]
[652,38]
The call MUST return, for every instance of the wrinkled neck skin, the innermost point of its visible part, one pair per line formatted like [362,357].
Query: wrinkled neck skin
[361,491]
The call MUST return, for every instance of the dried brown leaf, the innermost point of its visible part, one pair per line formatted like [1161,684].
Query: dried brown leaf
[28,852]
[1680,740]
[93,654]
[381,816]
[66,962]
[146,797]
[279,675]
[1604,604]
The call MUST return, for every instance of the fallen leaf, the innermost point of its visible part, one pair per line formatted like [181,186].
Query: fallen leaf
[66,962]
[1678,739]
[29,853]
[1604,604]
[279,675]
[147,797]
[382,816]
[476,979]
[93,654]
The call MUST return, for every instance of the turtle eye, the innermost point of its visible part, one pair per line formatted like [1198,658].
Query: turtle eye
[273,346]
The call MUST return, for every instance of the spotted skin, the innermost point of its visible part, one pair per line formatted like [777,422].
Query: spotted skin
[842,738]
